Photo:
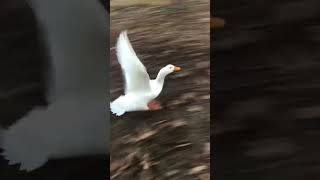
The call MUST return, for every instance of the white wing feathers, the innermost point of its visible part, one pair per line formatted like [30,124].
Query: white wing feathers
[136,77]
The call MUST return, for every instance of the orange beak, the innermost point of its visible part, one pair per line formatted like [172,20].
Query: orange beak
[176,69]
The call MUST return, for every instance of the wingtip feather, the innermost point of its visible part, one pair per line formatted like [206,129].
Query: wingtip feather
[123,34]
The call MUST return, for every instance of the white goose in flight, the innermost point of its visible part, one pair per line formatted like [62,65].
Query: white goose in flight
[140,90]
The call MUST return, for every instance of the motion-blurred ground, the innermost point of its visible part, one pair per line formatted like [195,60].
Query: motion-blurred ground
[172,143]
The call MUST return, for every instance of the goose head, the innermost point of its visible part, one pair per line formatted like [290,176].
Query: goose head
[168,69]
[171,68]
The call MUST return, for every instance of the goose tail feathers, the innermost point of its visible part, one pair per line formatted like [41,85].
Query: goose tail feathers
[117,108]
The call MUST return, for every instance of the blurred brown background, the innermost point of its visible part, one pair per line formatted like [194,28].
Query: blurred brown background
[172,143]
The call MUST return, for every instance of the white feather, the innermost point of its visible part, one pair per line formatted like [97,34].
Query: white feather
[135,73]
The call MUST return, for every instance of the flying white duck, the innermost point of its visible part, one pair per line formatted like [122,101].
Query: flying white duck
[75,122]
[140,90]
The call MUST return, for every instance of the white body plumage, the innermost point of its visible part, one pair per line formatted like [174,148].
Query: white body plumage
[139,88]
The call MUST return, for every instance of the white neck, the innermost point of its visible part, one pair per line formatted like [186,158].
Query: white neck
[161,76]
[159,81]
